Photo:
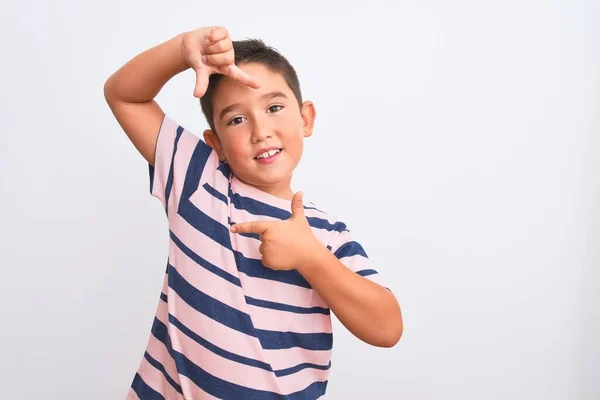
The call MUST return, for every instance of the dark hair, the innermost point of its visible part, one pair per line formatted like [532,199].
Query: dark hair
[252,51]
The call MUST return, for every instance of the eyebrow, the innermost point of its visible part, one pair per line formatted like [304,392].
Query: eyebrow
[266,96]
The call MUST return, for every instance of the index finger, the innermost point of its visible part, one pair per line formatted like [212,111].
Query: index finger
[236,73]
[250,227]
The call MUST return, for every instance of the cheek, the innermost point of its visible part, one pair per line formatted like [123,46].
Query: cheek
[235,151]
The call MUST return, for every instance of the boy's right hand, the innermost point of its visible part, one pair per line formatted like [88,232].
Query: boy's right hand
[210,51]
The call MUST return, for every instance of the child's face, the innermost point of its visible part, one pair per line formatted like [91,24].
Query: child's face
[249,121]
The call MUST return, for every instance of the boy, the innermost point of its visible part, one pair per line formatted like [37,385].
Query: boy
[253,271]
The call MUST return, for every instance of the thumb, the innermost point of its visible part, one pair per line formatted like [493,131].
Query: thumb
[298,206]
[201,81]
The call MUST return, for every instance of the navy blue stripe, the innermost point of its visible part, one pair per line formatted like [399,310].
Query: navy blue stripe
[143,391]
[217,350]
[314,208]
[203,263]
[321,223]
[215,193]
[151,173]
[163,297]
[248,235]
[300,367]
[256,207]
[169,184]
[160,331]
[205,224]
[255,268]
[220,234]
[218,387]
[313,391]
[367,272]
[286,307]
[209,306]
[225,170]
[231,391]
[350,249]
[241,321]
[162,369]
[223,389]
[194,172]
[272,340]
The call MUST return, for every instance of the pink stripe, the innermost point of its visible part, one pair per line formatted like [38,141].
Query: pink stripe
[280,292]
[318,214]
[223,368]
[213,252]
[185,149]
[208,282]
[287,358]
[157,350]
[202,245]
[165,284]
[210,173]
[356,262]
[216,333]
[232,295]
[156,380]
[238,216]
[244,375]
[209,204]
[162,161]
[285,321]
[237,342]
[301,379]
[197,393]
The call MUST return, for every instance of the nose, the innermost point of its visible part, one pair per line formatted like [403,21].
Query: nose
[261,131]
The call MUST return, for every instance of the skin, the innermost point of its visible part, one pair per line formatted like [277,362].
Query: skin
[260,119]
[256,119]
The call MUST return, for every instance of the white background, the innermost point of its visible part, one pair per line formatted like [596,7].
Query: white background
[459,141]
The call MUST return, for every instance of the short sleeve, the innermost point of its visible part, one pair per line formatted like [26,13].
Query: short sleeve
[178,154]
[353,255]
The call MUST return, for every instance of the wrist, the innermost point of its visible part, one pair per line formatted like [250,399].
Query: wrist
[316,257]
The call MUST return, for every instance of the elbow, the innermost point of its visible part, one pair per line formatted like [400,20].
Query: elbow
[392,335]
[392,330]
[108,90]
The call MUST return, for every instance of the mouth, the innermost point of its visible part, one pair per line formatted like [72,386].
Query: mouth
[268,154]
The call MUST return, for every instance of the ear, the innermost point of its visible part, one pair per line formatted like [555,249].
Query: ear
[213,141]
[309,113]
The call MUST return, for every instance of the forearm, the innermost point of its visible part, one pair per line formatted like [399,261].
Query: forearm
[365,308]
[142,78]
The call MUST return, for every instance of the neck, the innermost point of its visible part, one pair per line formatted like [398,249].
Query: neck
[282,189]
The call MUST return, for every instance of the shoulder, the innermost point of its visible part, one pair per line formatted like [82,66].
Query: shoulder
[328,227]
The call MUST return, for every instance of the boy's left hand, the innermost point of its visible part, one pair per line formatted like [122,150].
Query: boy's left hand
[285,245]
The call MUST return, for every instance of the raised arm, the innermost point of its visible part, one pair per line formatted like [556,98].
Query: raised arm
[131,90]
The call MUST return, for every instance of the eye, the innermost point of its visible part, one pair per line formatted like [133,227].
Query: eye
[236,121]
[275,108]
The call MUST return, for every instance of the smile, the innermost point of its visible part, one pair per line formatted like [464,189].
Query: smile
[267,154]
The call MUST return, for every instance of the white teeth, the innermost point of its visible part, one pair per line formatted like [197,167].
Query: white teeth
[269,153]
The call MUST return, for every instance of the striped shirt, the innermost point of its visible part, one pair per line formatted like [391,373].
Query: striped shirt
[227,327]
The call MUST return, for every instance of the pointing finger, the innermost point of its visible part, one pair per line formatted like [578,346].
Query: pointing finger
[250,227]
[236,73]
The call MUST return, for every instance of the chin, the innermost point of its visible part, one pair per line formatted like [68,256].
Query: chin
[270,178]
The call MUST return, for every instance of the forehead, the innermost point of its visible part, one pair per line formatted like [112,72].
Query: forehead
[231,91]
